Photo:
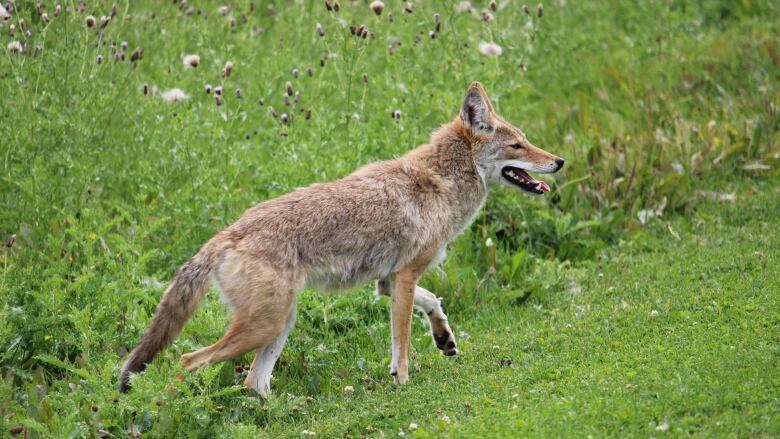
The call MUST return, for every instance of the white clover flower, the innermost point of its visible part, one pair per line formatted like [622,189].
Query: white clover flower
[489,243]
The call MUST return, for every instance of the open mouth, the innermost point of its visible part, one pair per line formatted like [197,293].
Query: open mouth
[521,179]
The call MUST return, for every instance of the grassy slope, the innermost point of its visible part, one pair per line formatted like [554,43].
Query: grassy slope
[661,335]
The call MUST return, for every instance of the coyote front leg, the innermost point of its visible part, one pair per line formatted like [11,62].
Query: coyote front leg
[428,303]
[402,298]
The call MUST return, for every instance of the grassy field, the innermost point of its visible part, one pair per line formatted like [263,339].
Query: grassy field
[638,298]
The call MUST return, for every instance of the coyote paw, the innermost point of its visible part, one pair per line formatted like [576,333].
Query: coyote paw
[445,341]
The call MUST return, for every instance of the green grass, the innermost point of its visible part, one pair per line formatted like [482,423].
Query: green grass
[580,321]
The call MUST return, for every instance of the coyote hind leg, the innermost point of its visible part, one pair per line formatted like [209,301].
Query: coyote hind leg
[259,377]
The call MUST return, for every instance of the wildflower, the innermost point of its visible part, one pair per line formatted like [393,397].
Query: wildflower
[487,16]
[11,29]
[191,60]
[527,10]
[295,73]
[227,69]
[396,114]
[223,10]
[328,5]
[15,47]
[488,243]
[218,100]
[412,426]
[119,56]
[174,95]
[22,24]
[238,93]
[377,7]
[261,102]
[320,30]
[309,72]
[99,59]
[490,49]
[145,89]
[4,15]
[348,390]
[272,111]
[289,88]
[539,10]
[308,114]
[90,21]
[113,10]
[218,90]
[493,5]
[284,118]
[104,21]
[336,5]
[45,17]
[137,54]
[436,18]
[208,88]
[57,10]
[27,33]
[401,433]
[409,8]
[123,45]
[445,418]
[432,34]
[286,100]
[653,313]
[297,97]
[664,426]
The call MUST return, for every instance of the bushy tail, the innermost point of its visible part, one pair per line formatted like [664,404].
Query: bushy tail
[180,301]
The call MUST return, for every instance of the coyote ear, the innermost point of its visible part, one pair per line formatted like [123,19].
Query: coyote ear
[476,110]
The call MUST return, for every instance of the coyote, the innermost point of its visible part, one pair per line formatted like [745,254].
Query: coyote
[389,221]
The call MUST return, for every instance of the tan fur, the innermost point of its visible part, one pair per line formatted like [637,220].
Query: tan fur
[387,221]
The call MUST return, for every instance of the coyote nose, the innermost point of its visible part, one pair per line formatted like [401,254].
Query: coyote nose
[559,162]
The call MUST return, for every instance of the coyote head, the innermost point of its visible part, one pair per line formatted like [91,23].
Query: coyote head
[501,151]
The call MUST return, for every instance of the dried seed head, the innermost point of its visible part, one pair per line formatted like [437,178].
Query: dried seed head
[57,10]
[137,54]
[487,16]
[353,29]
[99,59]
[272,111]
[432,34]
[527,10]
[238,93]
[11,30]
[310,72]
[493,6]
[146,89]
[284,118]
[218,90]
[365,77]
[208,88]
[40,8]
[89,21]
[218,100]
[390,17]
[27,33]
[539,10]
[227,69]
[286,100]
[261,102]
[22,24]
[409,8]
[377,7]
[113,10]
[15,47]
[223,10]
[45,17]
[296,73]
[119,56]
[396,114]
[336,5]
[490,49]
[328,6]
[284,134]
[436,18]
[174,95]
[191,61]
[360,30]
[308,114]
[104,21]
[297,97]
[289,88]
[320,30]
[438,27]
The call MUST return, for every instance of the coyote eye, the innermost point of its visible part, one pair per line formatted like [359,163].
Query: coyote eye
[517,146]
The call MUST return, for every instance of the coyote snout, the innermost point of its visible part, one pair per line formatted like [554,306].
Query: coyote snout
[389,222]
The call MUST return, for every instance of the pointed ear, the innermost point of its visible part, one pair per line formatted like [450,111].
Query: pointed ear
[476,111]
